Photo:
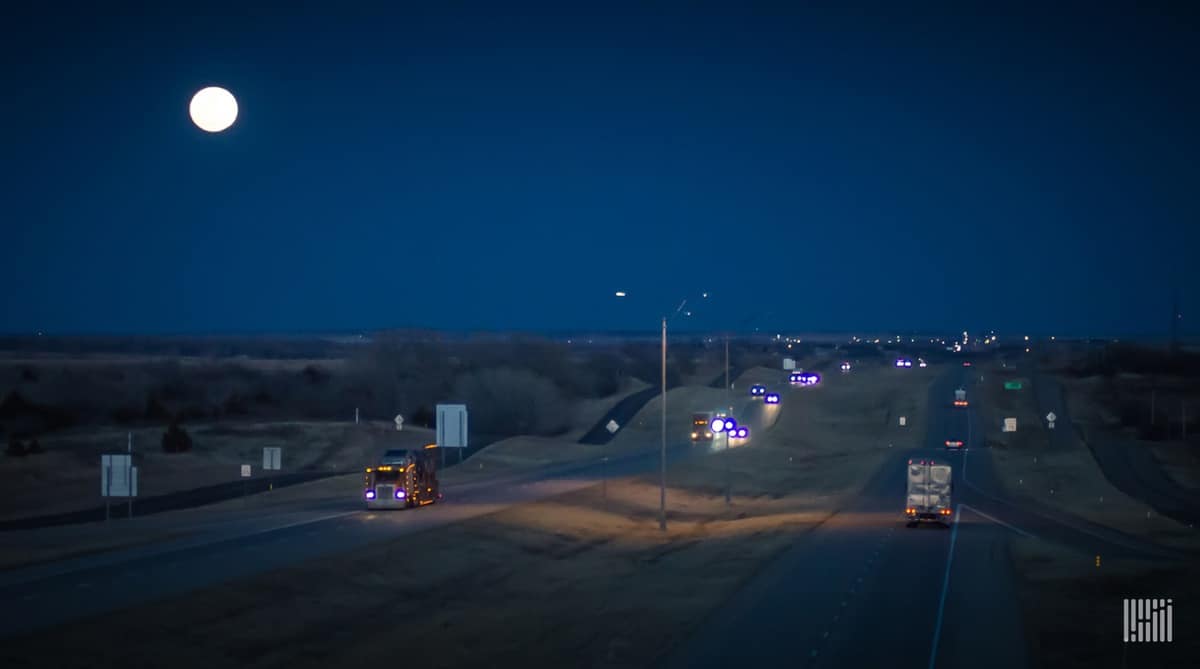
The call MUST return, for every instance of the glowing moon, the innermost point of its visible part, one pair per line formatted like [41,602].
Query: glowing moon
[213,109]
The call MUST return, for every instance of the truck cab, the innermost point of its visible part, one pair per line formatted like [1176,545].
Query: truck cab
[404,478]
[701,427]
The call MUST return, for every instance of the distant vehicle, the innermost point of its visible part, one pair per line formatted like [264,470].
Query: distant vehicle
[922,363]
[794,378]
[758,391]
[809,378]
[928,496]
[966,363]
[740,433]
[903,362]
[960,398]
[954,444]
[404,478]
[845,366]
[771,398]
[701,431]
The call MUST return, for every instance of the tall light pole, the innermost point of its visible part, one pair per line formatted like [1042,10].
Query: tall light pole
[662,470]
[729,408]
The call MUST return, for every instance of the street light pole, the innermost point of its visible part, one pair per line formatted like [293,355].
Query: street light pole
[729,408]
[662,478]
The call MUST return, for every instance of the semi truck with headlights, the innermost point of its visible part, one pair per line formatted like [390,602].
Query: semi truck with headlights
[701,427]
[403,478]
[929,491]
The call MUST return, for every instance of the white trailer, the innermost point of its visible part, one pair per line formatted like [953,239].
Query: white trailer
[930,486]
[960,398]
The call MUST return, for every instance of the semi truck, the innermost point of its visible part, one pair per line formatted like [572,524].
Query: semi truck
[403,478]
[928,497]
[702,427]
[960,398]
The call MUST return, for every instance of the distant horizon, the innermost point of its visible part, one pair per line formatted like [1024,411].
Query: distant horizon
[350,334]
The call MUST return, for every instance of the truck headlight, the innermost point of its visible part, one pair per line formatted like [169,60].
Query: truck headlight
[400,494]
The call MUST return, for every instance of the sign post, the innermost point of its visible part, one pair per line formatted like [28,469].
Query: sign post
[399,422]
[1050,418]
[451,428]
[118,478]
[245,475]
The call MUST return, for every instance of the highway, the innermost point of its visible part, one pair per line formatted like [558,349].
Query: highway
[113,580]
[861,589]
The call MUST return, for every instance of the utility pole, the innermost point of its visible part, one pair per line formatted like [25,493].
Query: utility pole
[1175,316]
[729,408]
[129,476]
[662,472]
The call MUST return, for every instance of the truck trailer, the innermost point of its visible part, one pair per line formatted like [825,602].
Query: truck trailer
[930,487]
[403,478]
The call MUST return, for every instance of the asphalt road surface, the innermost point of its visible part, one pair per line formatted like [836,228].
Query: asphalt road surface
[863,590]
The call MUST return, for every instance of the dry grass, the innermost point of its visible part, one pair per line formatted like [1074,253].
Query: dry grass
[583,579]
[546,583]
[1073,609]
[66,477]
[1069,481]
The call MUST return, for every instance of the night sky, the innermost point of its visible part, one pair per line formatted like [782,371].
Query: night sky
[497,165]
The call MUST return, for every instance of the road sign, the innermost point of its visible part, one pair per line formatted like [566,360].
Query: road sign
[1010,424]
[245,471]
[789,364]
[118,476]
[903,421]
[399,422]
[1012,385]
[272,457]
[1050,417]
[452,425]
[612,427]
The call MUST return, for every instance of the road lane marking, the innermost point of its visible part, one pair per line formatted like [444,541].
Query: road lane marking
[937,630]
[1014,528]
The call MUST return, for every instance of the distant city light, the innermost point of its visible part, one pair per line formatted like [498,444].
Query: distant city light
[1026,337]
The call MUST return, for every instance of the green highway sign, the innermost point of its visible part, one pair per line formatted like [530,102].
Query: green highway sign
[1012,385]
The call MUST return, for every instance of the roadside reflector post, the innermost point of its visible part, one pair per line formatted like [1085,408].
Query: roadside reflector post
[1097,561]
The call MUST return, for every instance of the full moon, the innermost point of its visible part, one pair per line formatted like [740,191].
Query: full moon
[213,109]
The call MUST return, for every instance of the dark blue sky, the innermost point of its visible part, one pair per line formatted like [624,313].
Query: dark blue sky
[491,165]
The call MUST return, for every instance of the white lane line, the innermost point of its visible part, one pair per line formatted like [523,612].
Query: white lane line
[937,630]
[1014,528]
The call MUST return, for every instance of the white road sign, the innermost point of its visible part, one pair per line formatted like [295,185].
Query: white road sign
[789,364]
[452,425]
[1010,424]
[399,422]
[272,457]
[612,427]
[903,421]
[1050,417]
[245,471]
[118,478]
